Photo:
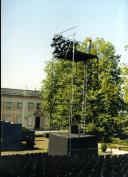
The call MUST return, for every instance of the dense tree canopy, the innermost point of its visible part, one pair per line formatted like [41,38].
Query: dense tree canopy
[94,102]
[124,74]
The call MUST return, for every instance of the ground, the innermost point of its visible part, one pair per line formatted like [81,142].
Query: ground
[41,145]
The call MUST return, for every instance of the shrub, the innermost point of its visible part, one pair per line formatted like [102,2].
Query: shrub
[103,147]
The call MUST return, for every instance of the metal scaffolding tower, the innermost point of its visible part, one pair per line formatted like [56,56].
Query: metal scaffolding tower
[65,49]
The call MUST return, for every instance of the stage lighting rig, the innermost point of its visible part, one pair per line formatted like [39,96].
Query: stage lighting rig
[63,49]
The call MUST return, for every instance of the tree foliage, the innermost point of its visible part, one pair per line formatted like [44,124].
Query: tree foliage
[95,102]
[124,74]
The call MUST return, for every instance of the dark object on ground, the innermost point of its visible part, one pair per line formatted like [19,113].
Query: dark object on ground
[10,136]
[28,133]
[47,135]
[30,142]
[29,137]
[74,129]
[42,165]
[74,144]
[103,147]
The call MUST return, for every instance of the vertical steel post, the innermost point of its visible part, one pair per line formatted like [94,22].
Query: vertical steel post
[72,95]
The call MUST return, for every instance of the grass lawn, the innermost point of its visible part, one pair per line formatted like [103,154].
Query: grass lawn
[41,145]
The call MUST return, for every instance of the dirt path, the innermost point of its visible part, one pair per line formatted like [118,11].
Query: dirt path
[116,151]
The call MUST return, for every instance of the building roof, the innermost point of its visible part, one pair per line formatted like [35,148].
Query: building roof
[18,92]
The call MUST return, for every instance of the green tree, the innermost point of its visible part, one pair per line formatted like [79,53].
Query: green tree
[124,113]
[124,74]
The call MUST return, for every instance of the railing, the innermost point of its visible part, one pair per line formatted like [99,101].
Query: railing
[64,166]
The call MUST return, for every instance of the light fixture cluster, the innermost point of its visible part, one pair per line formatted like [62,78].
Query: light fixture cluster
[64,48]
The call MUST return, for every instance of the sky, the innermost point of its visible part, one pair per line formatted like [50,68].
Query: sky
[28,26]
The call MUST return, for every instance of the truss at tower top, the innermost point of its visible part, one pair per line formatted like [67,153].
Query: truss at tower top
[63,49]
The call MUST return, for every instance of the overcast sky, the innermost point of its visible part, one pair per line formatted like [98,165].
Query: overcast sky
[29,25]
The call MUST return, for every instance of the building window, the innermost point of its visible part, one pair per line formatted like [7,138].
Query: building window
[9,105]
[38,105]
[19,105]
[30,105]
[29,121]
[18,119]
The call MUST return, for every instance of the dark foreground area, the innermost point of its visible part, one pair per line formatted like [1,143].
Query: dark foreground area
[42,165]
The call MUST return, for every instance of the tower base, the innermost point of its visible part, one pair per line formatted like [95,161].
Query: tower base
[72,144]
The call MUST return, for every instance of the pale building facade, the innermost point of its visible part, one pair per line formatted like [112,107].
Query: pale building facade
[22,106]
